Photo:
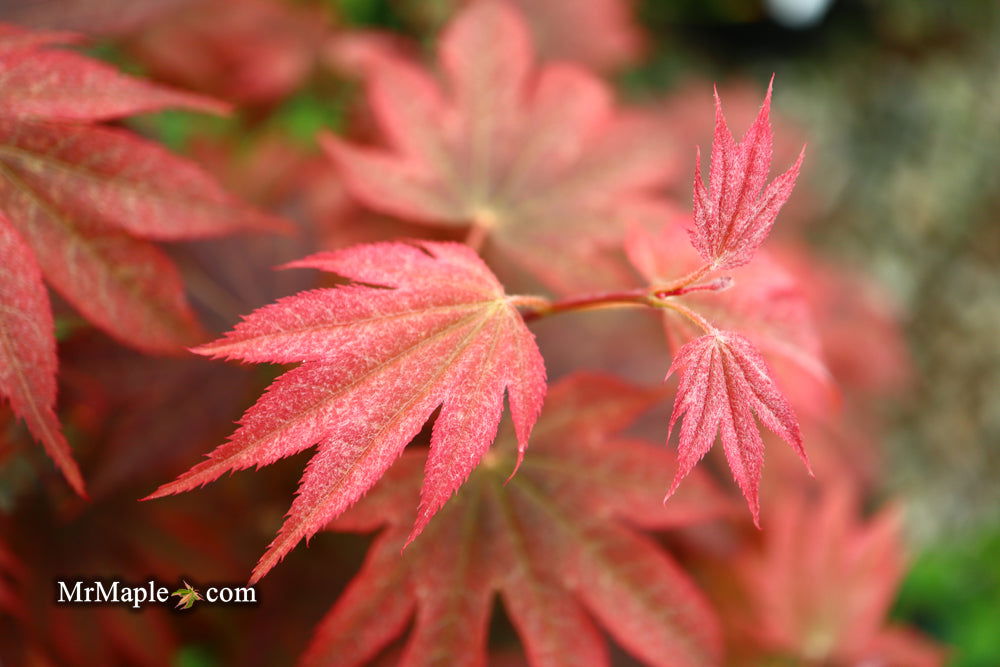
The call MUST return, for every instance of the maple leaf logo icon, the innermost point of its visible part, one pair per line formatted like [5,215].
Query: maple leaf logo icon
[188,596]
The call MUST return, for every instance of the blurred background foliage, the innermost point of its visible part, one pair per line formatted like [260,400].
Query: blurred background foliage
[899,101]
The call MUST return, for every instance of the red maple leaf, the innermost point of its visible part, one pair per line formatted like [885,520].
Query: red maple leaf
[535,157]
[378,361]
[75,200]
[735,214]
[724,383]
[28,351]
[554,543]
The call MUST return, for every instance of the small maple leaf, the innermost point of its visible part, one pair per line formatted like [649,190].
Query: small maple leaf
[557,544]
[724,382]
[378,361]
[188,596]
[733,216]
[536,157]
[78,202]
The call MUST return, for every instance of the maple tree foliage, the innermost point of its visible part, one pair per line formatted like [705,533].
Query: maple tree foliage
[438,331]
[394,372]
[445,334]
[76,202]
[518,151]
[724,380]
[554,543]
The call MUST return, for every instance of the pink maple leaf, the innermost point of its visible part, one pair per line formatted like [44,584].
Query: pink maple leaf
[535,157]
[735,214]
[724,383]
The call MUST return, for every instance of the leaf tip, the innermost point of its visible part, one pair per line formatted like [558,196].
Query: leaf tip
[418,528]
[205,349]
[161,492]
[517,464]
[71,473]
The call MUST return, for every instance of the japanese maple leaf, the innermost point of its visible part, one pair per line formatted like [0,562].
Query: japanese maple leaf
[533,156]
[187,596]
[557,543]
[724,382]
[378,361]
[821,586]
[75,201]
[735,214]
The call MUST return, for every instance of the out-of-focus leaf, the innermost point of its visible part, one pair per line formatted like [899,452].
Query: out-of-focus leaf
[77,203]
[533,157]
[553,542]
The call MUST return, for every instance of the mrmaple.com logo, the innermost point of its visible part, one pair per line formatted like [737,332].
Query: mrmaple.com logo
[114,592]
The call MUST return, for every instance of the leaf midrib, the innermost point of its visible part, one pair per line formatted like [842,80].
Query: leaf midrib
[224,345]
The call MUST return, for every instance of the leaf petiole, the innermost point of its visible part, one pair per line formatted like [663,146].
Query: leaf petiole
[656,296]
[537,307]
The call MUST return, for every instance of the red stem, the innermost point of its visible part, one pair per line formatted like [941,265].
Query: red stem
[540,307]
[657,296]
